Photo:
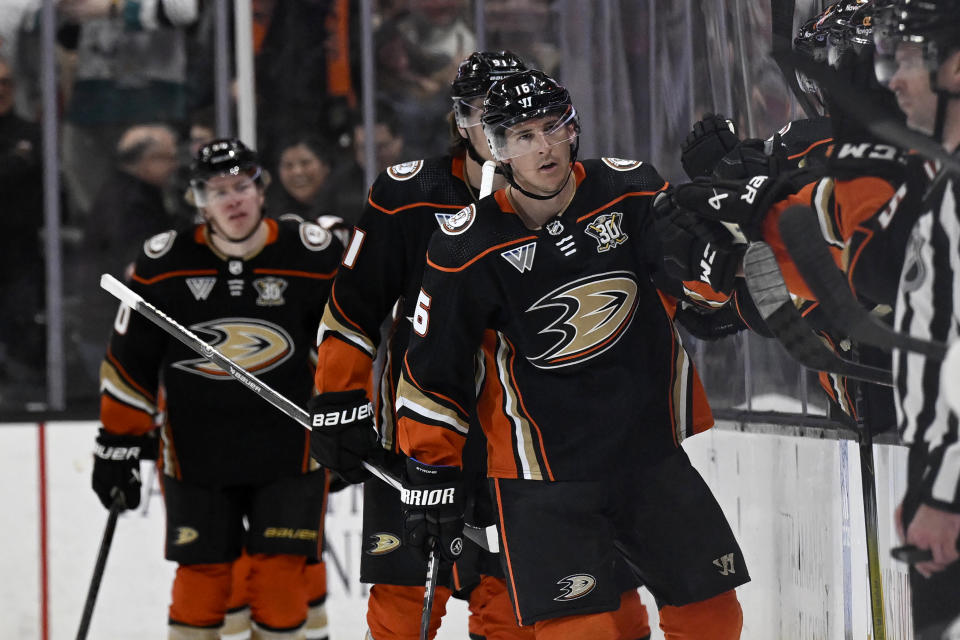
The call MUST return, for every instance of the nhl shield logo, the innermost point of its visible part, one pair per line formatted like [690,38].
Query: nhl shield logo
[554,227]
[270,291]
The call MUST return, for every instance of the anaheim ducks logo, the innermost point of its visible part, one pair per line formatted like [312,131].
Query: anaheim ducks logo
[256,345]
[576,586]
[382,543]
[405,170]
[595,312]
[619,164]
[159,244]
[185,535]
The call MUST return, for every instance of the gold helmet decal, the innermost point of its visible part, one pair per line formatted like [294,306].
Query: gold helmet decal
[256,345]
[595,311]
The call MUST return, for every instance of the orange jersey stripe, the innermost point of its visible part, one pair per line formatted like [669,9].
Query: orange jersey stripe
[477,257]
[505,547]
[297,274]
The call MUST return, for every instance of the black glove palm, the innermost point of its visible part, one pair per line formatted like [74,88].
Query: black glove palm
[698,249]
[116,467]
[343,435]
[711,139]
[433,509]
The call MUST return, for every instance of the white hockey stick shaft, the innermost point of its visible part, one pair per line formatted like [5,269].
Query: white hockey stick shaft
[136,302]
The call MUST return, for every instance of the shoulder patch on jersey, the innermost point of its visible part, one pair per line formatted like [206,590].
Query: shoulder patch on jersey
[315,237]
[405,170]
[460,221]
[619,164]
[159,244]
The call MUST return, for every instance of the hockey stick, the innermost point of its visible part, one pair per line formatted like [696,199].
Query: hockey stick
[800,229]
[485,538]
[487,171]
[769,292]
[105,542]
[429,591]
[871,526]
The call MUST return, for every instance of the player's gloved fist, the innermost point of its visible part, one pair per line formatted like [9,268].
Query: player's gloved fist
[116,467]
[433,509]
[709,324]
[342,435]
[742,202]
[711,139]
[695,248]
[750,158]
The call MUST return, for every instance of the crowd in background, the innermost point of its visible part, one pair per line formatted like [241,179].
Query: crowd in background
[132,75]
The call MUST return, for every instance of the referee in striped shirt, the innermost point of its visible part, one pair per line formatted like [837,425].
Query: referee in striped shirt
[918,56]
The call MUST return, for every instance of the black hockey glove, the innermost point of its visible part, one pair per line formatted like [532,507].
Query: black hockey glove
[695,248]
[343,435]
[709,324]
[433,509]
[711,139]
[742,202]
[750,158]
[116,467]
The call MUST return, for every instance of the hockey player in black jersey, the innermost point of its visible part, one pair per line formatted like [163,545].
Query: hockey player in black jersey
[255,288]
[380,279]
[585,390]
[919,59]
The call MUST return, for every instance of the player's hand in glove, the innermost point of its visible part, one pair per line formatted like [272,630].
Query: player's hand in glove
[742,202]
[711,139]
[116,467]
[342,435]
[433,509]
[695,248]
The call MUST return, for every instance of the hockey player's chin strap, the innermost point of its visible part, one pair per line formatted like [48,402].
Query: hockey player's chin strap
[508,174]
[212,230]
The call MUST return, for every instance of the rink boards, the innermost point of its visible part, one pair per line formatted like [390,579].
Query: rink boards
[795,503]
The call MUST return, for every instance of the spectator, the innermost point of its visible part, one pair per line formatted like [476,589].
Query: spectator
[302,169]
[21,260]
[390,147]
[129,208]
[131,68]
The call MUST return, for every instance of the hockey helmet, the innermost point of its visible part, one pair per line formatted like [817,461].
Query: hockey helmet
[850,30]
[222,157]
[929,26]
[474,77]
[525,96]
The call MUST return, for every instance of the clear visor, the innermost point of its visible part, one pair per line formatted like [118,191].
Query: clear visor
[836,46]
[807,85]
[532,135]
[467,111]
[893,56]
[214,191]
